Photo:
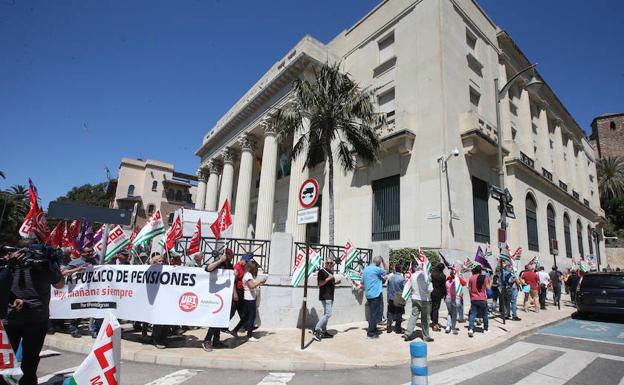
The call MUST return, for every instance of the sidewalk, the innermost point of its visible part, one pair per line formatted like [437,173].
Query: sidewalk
[279,349]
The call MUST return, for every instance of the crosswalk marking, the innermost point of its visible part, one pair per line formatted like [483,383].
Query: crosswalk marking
[175,378]
[561,370]
[62,372]
[277,379]
[474,368]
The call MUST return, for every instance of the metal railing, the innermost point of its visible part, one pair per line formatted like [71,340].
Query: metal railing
[335,252]
[212,248]
[524,158]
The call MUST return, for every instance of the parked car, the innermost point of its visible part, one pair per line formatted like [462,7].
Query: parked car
[601,293]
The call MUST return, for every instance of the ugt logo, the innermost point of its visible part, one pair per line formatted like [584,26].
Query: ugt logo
[188,302]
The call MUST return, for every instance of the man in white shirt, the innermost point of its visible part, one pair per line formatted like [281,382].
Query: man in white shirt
[421,303]
[544,282]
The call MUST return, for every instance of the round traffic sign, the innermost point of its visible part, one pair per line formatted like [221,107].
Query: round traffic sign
[308,193]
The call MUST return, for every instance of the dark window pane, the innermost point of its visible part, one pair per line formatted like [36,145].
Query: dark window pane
[531,219]
[386,209]
[566,234]
[480,210]
[579,237]
[590,241]
[552,231]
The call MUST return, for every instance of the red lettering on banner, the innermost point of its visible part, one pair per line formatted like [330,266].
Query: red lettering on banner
[2,344]
[99,354]
[110,376]
[96,380]
[10,364]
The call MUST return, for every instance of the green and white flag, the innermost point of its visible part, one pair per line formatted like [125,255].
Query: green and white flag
[355,277]
[348,257]
[152,228]
[313,264]
[117,241]
[459,289]
[172,251]
[407,289]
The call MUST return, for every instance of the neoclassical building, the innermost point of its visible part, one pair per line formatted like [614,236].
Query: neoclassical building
[432,65]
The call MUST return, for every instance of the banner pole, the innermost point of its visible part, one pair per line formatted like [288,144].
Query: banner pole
[104,244]
[305,294]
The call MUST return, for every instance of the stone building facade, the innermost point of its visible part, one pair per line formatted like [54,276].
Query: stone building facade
[607,136]
[153,185]
[432,64]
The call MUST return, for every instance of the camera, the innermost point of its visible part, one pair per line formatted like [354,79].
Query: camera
[37,257]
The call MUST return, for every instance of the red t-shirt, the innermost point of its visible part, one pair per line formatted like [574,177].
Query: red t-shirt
[239,270]
[531,279]
[477,295]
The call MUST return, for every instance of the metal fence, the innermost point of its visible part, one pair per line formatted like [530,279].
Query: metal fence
[335,252]
[212,249]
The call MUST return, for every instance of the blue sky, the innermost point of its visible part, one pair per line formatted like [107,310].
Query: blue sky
[84,83]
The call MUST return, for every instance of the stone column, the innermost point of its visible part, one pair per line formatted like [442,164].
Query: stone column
[571,164]
[200,199]
[559,171]
[297,177]
[525,130]
[266,201]
[227,179]
[243,190]
[543,139]
[212,188]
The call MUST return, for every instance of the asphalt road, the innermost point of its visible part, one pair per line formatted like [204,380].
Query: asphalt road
[570,352]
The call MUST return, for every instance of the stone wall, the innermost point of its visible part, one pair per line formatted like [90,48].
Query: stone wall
[608,132]
[614,257]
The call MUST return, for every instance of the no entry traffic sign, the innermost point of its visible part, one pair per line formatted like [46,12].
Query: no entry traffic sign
[308,193]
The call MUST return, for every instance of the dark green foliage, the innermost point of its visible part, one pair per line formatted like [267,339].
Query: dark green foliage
[88,194]
[405,256]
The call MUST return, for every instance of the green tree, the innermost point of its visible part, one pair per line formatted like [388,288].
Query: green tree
[340,124]
[2,175]
[405,256]
[88,194]
[610,178]
[14,205]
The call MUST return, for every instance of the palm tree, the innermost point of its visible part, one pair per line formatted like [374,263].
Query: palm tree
[610,177]
[2,175]
[343,124]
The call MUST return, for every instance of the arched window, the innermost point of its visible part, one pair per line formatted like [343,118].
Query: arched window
[169,194]
[150,209]
[154,185]
[531,222]
[566,234]
[552,230]
[590,240]
[131,190]
[178,196]
[612,126]
[579,237]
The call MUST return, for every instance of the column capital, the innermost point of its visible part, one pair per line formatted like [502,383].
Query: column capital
[227,155]
[557,120]
[269,129]
[214,166]
[202,173]
[247,142]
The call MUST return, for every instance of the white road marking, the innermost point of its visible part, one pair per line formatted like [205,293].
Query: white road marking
[277,379]
[474,368]
[49,353]
[561,370]
[175,378]
[62,372]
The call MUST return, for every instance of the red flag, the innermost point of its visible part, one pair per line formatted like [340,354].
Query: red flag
[223,221]
[56,236]
[35,221]
[174,233]
[132,236]
[195,240]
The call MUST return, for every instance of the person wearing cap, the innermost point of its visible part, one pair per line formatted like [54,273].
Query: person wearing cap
[326,284]
[213,336]
[238,306]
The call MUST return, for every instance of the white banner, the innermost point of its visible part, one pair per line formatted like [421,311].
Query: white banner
[163,295]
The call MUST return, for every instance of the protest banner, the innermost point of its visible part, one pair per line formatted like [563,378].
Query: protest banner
[117,241]
[103,364]
[163,295]
[9,365]
[313,264]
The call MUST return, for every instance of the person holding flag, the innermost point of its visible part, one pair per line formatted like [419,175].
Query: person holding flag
[396,303]
[509,285]
[421,300]
[454,292]
[373,278]
[326,283]
[478,284]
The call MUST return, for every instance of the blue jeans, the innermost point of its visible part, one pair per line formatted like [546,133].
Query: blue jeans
[475,307]
[250,316]
[452,305]
[460,309]
[321,325]
[375,314]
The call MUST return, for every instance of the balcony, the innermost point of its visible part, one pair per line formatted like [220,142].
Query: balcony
[563,186]
[478,135]
[576,195]
[547,174]
[524,158]
[586,202]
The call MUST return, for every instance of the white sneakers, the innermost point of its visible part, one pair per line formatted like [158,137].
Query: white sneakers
[252,339]
[470,333]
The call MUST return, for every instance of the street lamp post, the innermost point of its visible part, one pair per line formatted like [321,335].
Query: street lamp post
[504,196]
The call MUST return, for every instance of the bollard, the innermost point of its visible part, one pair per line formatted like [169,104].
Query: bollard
[418,351]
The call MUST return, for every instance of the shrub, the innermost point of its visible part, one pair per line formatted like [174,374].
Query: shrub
[404,257]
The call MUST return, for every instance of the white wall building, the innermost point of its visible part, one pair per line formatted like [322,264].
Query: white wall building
[432,64]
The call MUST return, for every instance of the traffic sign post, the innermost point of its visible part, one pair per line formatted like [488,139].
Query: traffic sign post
[308,195]
[554,245]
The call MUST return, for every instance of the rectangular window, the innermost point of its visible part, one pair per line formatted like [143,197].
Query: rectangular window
[386,209]
[480,209]
[475,97]
[386,105]
[513,109]
[471,41]
[386,48]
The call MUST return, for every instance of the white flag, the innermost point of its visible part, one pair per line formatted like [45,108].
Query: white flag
[102,365]
[9,366]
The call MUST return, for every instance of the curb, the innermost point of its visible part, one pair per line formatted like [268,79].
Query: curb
[206,362]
